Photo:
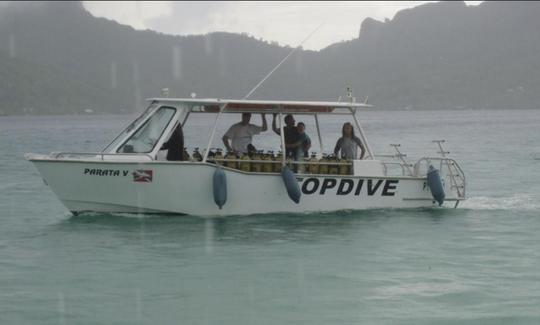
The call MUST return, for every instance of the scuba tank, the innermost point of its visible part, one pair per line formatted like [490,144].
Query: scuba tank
[217,156]
[267,166]
[323,168]
[244,164]
[185,155]
[211,156]
[231,164]
[197,155]
[256,166]
[313,166]
[332,169]
[343,169]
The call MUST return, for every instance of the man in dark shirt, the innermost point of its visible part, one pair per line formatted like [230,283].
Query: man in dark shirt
[290,132]
[175,145]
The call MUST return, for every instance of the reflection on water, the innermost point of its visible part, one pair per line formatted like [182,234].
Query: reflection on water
[161,231]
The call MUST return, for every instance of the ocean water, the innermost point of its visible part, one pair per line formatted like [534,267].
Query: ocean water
[478,264]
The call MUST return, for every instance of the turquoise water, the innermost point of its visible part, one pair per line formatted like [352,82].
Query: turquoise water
[478,264]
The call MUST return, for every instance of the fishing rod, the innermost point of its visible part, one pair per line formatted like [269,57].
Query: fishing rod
[282,61]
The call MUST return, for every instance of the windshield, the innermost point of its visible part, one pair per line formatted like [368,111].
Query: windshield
[120,137]
[146,137]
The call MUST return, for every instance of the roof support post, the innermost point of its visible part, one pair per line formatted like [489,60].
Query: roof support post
[186,117]
[363,138]
[319,132]
[282,135]
[221,109]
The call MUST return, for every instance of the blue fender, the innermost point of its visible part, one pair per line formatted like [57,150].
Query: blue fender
[219,181]
[435,184]
[293,189]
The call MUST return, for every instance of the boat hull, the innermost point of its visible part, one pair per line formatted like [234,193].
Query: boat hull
[186,188]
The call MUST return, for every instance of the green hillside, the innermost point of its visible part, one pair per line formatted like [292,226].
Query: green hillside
[58,58]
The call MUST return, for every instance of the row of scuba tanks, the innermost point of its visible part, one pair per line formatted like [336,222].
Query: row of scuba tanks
[261,162]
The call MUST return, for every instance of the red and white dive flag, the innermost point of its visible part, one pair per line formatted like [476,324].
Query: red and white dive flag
[142,176]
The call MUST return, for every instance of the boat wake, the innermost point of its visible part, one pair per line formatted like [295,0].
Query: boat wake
[521,201]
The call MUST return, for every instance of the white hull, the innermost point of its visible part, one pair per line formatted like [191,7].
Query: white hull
[186,188]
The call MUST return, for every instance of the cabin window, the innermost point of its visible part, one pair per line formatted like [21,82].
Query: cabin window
[119,138]
[146,137]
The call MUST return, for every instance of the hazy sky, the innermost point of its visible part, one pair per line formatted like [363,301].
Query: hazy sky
[287,23]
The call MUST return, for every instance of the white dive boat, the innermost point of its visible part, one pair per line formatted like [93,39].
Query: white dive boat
[127,175]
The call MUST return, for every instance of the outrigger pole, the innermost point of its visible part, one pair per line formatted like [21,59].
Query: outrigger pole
[268,76]
[280,63]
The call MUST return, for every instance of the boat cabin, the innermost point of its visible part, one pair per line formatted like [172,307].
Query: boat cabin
[145,136]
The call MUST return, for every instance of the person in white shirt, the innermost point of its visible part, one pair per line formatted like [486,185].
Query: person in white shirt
[241,134]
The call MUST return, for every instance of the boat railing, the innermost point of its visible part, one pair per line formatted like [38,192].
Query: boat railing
[298,162]
[448,167]
[402,163]
[275,165]
[98,155]
[388,165]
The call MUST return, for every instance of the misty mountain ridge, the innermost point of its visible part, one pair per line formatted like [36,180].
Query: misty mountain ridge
[58,58]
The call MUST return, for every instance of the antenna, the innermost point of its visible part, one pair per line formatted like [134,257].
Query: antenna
[350,95]
[280,63]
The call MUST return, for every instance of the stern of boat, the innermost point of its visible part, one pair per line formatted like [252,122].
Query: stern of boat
[452,177]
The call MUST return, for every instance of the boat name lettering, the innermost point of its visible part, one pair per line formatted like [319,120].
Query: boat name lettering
[347,186]
[105,172]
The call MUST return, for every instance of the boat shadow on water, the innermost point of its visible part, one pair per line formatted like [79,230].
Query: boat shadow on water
[307,217]
[261,228]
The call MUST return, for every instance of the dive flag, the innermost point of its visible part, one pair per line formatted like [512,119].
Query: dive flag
[142,176]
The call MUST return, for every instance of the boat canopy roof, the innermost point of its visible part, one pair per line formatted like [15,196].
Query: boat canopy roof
[208,105]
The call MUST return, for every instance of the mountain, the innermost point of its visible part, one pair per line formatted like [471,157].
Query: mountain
[61,59]
[446,55]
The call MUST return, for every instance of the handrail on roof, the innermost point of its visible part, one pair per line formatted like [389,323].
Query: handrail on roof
[210,105]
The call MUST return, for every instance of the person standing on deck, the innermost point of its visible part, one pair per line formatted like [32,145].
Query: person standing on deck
[303,143]
[241,134]
[348,142]
[290,134]
[175,145]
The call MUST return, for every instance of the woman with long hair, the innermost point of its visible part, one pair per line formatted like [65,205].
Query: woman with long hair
[348,143]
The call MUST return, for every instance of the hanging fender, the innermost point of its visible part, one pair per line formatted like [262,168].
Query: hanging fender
[435,184]
[291,184]
[219,182]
